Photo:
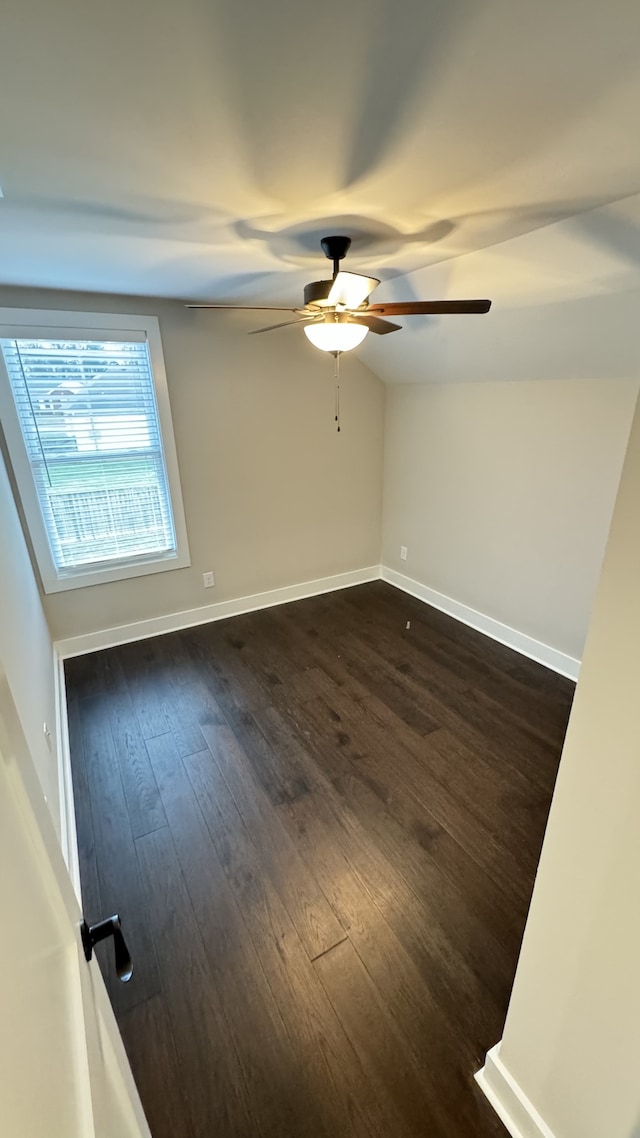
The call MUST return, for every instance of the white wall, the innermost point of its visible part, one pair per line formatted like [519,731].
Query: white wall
[273,494]
[505,433]
[572,1035]
[503,493]
[26,652]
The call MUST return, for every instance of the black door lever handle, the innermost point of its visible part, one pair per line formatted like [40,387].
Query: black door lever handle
[93,934]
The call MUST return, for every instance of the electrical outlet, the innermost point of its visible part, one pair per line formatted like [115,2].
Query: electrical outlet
[403,553]
[208,580]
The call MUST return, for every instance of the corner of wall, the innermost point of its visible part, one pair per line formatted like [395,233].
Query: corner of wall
[68,833]
[509,1100]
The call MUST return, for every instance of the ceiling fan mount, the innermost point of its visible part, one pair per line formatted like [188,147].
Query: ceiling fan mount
[335,249]
[336,314]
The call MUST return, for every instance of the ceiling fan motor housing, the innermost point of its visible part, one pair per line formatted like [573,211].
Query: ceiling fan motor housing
[317,292]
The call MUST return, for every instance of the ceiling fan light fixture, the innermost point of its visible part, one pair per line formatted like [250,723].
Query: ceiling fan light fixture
[333,336]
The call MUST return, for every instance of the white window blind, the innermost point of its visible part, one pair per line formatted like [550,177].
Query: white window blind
[89,419]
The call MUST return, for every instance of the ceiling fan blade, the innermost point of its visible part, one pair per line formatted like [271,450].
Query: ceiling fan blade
[244,307]
[285,324]
[375,324]
[429,307]
[351,289]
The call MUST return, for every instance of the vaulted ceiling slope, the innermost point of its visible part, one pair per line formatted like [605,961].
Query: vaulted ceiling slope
[566,300]
[200,148]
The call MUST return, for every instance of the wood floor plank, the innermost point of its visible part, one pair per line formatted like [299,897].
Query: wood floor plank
[279,770]
[430,849]
[307,906]
[280,1101]
[374,1036]
[321,829]
[504,726]
[478,661]
[200,866]
[545,718]
[478,836]
[148,1038]
[232,683]
[490,794]
[387,749]
[430,623]
[334,1080]
[184,705]
[260,651]
[143,664]
[208,1070]
[308,640]
[438,673]
[502,910]
[471,715]
[351,867]
[391,688]
[334,747]
[141,792]
[89,674]
[445,903]
[379,1042]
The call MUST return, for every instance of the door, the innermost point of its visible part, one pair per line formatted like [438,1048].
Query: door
[63,1069]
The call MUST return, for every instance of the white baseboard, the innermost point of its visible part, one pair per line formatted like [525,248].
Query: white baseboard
[68,834]
[509,1100]
[173,622]
[526,645]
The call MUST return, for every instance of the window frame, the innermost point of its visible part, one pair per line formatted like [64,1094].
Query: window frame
[32,323]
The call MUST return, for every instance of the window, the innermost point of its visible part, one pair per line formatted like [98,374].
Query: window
[85,413]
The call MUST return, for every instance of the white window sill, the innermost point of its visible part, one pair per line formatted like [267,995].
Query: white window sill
[123,572]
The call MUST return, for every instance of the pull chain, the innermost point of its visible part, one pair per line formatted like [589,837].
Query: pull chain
[336,376]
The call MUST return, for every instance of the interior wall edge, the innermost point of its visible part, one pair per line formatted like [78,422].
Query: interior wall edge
[508,1099]
[66,805]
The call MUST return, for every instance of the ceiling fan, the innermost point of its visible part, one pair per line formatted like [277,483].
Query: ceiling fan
[337,315]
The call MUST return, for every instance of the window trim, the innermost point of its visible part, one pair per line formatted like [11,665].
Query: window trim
[29,322]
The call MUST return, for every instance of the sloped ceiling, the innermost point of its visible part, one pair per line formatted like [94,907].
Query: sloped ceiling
[566,300]
[200,148]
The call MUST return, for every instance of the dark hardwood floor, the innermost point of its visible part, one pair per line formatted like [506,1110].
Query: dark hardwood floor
[321,828]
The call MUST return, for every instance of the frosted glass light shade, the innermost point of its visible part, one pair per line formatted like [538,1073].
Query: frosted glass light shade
[335,337]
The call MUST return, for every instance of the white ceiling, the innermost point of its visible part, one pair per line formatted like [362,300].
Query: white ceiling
[200,148]
[566,300]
